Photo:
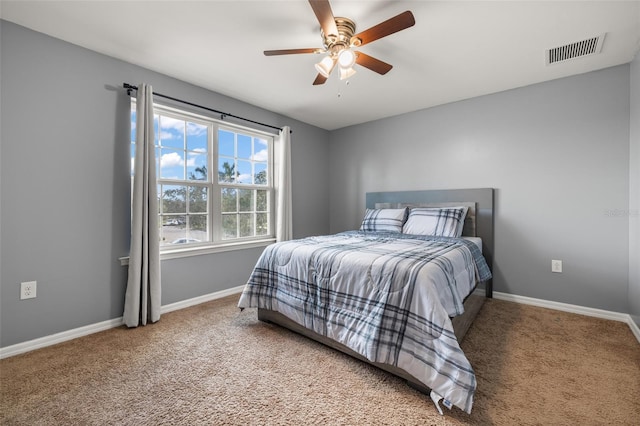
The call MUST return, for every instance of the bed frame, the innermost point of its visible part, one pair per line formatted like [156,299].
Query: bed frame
[479,223]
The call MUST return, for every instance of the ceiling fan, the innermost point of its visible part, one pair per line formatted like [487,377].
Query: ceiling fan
[339,39]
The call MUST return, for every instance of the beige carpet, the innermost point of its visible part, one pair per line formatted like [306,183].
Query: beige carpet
[211,364]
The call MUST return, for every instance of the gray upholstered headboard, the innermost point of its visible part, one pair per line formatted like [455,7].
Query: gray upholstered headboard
[479,222]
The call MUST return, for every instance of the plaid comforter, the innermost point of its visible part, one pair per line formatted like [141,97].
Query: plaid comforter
[387,296]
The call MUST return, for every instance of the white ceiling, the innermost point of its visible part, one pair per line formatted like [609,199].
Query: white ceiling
[456,50]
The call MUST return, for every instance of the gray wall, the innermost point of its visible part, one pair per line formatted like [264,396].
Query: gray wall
[634,194]
[557,154]
[65,186]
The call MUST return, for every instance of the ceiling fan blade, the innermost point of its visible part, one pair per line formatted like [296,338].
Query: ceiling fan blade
[383,29]
[372,63]
[291,51]
[320,79]
[323,12]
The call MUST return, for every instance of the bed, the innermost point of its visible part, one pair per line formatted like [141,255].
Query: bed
[401,301]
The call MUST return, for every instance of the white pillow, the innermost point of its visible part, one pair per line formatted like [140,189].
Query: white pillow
[384,220]
[439,222]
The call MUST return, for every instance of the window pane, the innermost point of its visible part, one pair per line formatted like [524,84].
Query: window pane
[229,226]
[261,201]
[262,224]
[198,223]
[261,150]
[226,143]
[197,137]
[246,225]
[197,166]
[246,200]
[229,200]
[171,132]
[197,147]
[244,146]
[173,220]
[198,228]
[260,173]
[133,123]
[226,170]
[156,132]
[244,172]
[173,199]
[198,199]
[171,164]
[174,230]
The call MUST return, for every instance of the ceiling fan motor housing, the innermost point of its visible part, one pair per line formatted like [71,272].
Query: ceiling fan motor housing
[343,40]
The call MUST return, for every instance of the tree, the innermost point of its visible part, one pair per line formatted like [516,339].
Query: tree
[229,174]
[261,178]
[202,173]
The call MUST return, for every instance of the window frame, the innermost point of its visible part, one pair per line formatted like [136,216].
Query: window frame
[216,242]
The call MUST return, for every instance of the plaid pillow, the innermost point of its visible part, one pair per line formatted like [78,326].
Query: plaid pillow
[439,222]
[380,220]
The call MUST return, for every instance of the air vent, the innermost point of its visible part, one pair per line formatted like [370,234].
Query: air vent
[578,49]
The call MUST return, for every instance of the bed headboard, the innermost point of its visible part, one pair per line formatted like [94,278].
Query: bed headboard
[479,222]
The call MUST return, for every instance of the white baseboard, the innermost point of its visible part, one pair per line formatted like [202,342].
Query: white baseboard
[201,299]
[575,309]
[56,338]
[63,336]
[53,339]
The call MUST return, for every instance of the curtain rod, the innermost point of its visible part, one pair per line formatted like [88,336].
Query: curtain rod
[130,87]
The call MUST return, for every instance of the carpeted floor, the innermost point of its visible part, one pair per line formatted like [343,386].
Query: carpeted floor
[214,365]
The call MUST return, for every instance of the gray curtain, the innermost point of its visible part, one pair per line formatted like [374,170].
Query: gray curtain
[142,298]
[284,224]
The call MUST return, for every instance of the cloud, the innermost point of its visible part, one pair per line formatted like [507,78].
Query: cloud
[194,129]
[168,123]
[164,135]
[171,159]
[192,157]
[261,155]
[245,177]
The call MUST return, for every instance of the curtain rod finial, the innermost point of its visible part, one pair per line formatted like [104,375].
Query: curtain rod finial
[129,88]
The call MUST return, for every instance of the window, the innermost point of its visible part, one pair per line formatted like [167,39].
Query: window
[196,207]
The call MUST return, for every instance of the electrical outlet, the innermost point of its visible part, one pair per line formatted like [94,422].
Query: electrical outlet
[28,290]
[556,266]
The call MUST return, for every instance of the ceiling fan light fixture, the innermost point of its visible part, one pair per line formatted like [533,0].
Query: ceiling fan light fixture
[346,73]
[346,58]
[325,66]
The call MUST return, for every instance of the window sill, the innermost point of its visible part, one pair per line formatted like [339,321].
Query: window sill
[200,250]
